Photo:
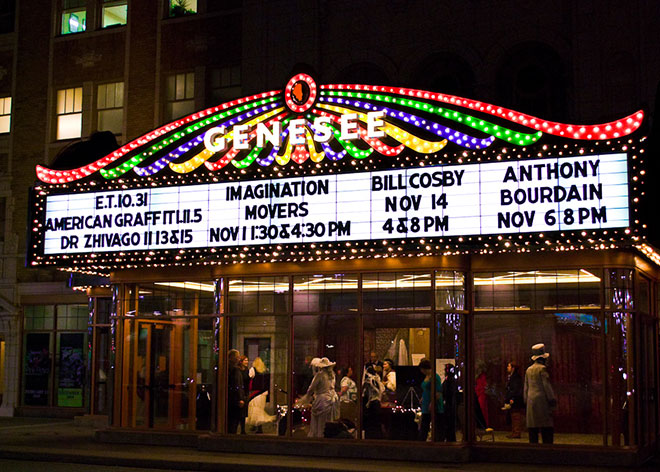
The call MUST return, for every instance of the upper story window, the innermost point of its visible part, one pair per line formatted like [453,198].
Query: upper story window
[74,16]
[225,84]
[114,13]
[182,7]
[69,113]
[110,107]
[7,13]
[180,95]
[5,114]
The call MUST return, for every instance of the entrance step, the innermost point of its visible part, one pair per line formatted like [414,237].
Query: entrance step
[96,421]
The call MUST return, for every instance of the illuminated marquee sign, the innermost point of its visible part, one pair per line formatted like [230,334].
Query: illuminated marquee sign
[341,171]
[526,196]
[309,124]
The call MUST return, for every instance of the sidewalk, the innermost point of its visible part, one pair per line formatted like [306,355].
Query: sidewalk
[56,440]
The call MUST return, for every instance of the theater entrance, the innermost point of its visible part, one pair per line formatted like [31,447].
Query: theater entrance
[161,394]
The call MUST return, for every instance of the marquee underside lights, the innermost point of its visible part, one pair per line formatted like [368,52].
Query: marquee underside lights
[328,122]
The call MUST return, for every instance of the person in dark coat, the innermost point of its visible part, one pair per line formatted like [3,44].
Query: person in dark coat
[450,397]
[236,392]
[243,363]
[539,397]
[513,400]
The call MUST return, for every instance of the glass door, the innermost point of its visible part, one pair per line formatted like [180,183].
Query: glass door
[161,394]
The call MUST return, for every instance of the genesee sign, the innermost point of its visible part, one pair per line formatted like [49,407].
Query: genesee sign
[540,195]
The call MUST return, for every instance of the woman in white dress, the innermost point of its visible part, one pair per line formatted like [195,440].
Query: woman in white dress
[259,388]
[323,397]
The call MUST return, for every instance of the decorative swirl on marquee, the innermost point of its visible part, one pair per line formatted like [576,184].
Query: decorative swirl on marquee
[421,121]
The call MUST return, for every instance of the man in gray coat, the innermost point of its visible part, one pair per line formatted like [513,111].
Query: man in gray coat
[539,397]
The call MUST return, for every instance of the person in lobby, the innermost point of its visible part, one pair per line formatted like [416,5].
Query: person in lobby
[236,398]
[259,376]
[513,401]
[376,363]
[323,397]
[480,386]
[372,392]
[450,397]
[425,425]
[243,363]
[539,397]
[389,376]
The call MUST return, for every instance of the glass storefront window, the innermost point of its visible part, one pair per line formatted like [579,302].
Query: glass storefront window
[391,404]
[325,402]
[643,295]
[574,342]
[537,290]
[176,299]
[37,369]
[257,363]
[38,317]
[388,291]
[171,350]
[70,369]
[72,317]
[103,379]
[621,382]
[55,355]
[450,366]
[259,295]
[325,293]
[449,290]
[619,289]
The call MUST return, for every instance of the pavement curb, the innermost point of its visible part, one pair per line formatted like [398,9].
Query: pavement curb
[188,464]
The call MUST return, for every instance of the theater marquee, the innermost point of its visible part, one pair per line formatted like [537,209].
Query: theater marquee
[341,171]
[576,193]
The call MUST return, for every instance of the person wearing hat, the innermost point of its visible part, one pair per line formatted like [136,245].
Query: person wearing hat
[539,397]
[322,396]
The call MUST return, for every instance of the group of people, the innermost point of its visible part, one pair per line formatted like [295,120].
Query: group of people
[530,400]
[248,389]
[379,385]
[330,402]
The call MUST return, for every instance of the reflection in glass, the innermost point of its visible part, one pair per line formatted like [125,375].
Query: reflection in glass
[537,290]
[387,291]
[175,298]
[618,289]
[259,295]
[262,345]
[332,292]
[621,388]
[449,290]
